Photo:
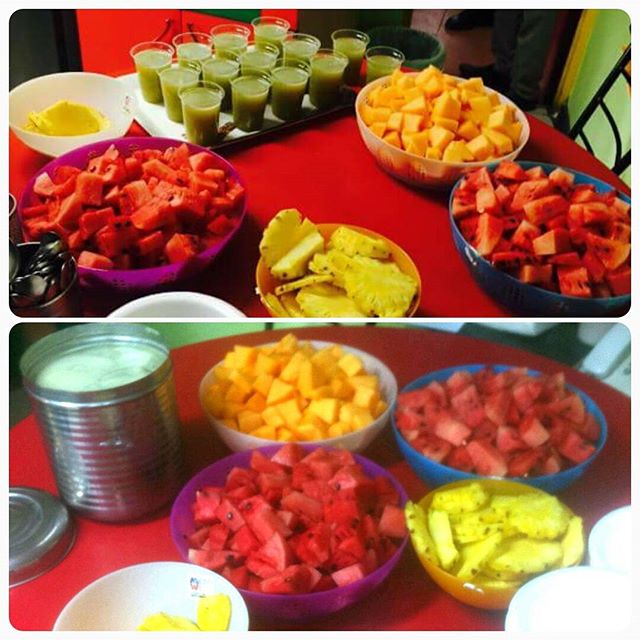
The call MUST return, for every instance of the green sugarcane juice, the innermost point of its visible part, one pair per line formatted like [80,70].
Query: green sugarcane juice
[354,49]
[173,81]
[149,63]
[327,73]
[201,113]
[221,71]
[249,99]
[288,86]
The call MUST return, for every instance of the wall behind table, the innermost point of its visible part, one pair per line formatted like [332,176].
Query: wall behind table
[610,35]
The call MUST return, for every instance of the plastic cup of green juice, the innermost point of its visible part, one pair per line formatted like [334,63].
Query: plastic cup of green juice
[151,58]
[270,30]
[382,61]
[221,71]
[327,71]
[201,112]
[259,60]
[192,47]
[299,47]
[230,40]
[174,80]
[288,86]
[353,44]
[249,95]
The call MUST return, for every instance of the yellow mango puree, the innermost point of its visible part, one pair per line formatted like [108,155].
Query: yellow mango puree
[214,614]
[66,118]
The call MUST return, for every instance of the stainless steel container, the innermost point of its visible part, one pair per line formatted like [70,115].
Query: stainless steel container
[117,452]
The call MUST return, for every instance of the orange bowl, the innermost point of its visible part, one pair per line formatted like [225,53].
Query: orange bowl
[266,283]
[472,594]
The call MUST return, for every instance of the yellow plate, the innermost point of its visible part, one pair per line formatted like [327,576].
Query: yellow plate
[466,591]
[266,283]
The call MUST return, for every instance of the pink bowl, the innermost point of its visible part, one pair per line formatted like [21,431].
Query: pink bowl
[138,280]
[291,607]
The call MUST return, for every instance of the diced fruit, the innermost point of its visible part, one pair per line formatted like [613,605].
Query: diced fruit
[545,230]
[506,423]
[112,207]
[291,542]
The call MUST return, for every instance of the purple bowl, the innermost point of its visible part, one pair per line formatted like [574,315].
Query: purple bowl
[138,280]
[291,607]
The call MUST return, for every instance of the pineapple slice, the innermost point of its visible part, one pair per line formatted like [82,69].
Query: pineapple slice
[302,282]
[291,306]
[354,243]
[378,288]
[326,301]
[277,305]
[294,263]
[285,231]
[334,262]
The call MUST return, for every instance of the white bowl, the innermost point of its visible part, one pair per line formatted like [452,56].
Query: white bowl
[573,599]
[177,304]
[355,441]
[610,545]
[419,171]
[121,600]
[105,94]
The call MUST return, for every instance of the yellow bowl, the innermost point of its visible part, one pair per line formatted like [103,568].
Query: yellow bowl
[266,283]
[465,591]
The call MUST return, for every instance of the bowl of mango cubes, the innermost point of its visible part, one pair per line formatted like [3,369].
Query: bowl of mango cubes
[298,391]
[329,270]
[481,540]
[428,128]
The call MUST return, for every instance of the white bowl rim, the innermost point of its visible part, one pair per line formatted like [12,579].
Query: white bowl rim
[81,74]
[174,296]
[242,618]
[476,164]
[327,442]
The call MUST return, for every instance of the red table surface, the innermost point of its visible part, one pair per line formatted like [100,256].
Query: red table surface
[409,600]
[327,173]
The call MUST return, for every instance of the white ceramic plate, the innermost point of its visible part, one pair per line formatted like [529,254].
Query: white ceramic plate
[610,545]
[121,600]
[177,304]
[578,599]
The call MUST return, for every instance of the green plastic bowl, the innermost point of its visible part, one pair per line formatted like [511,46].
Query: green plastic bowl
[420,48]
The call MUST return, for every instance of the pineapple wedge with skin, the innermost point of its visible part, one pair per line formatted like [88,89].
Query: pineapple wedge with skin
[353,243]
[475,555]
[294,263]
[302,282]
[325,301]
[379,288]
[285,230]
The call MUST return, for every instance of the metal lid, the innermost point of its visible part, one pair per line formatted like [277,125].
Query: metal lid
[41,533]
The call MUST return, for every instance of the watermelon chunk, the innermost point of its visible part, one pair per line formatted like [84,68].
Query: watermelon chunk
[350,574]
[487,459]
[392,522]
[92,260]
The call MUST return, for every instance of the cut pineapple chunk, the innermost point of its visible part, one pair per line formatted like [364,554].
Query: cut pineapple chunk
[290,305]
[353,243]
[333,262]
[294,263]
[323,304]
[302,282]
[379,289]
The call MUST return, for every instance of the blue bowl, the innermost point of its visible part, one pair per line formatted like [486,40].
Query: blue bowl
[526,299]
[435,474]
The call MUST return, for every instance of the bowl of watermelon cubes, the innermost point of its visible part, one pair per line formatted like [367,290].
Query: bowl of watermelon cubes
[476,421]
[138,214]
[543,240]
[302,531]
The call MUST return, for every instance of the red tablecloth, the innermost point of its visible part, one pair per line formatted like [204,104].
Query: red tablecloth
[408,600]
[327,173]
